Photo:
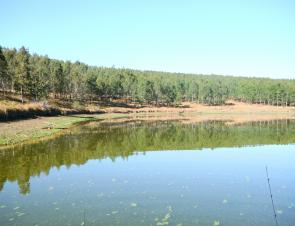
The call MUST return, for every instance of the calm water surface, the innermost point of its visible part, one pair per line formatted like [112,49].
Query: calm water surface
[156,173]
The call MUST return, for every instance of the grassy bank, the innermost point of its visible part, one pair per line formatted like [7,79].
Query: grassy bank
[32,130]
[17,132]
[14,110]
[35,129]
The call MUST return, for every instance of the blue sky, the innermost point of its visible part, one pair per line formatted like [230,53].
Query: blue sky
[250,38]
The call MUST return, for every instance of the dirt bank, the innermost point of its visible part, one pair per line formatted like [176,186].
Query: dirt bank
[231,107]
[16,132]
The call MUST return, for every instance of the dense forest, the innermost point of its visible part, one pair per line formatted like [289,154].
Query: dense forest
[39,77]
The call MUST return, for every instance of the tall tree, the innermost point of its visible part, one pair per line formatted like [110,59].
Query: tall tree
[23,81]
[58,78]
[40,75]
[10,55]
[4,76]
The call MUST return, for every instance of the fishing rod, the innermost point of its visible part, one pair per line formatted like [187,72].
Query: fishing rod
[271,197]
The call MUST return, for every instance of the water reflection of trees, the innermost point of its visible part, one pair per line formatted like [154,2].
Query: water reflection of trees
[122,140]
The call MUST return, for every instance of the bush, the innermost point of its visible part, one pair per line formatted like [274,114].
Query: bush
[77,105]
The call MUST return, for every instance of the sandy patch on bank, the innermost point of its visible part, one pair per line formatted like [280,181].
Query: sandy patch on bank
[233,113]
[231,107]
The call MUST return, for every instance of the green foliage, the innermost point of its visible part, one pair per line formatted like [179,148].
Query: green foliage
[38,77]
[149,92]
[4,75]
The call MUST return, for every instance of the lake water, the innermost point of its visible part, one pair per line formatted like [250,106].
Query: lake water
[156,173]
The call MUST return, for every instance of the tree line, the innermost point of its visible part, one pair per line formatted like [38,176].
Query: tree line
[39,77]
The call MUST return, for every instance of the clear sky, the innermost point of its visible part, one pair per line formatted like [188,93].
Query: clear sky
[230,37]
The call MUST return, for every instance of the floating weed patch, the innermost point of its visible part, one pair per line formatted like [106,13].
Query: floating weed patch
[115,212]
[279,211]
[165,219]
[114,180]
[224,201]
[216,223]
[162,223]
[50,188]
[133,204]
[19,214]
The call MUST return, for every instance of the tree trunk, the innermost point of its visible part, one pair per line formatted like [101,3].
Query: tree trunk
[3,88]
[21,93]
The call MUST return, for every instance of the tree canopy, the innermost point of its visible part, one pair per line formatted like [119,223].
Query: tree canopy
[38,77]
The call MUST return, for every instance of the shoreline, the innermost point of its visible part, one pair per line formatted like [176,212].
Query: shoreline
[11,111]
[32,130]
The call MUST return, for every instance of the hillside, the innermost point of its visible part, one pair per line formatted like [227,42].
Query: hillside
[34,77]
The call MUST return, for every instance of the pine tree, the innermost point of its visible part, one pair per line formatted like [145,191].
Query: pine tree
[23,81]
[58,78]
[4,76]
[10,56]
[40,75]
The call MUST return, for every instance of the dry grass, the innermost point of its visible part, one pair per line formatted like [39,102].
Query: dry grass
[233,113]
[12,105]
[55,107]
[232,107]
[11,110]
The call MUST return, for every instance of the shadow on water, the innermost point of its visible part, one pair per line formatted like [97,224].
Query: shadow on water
[109,140]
